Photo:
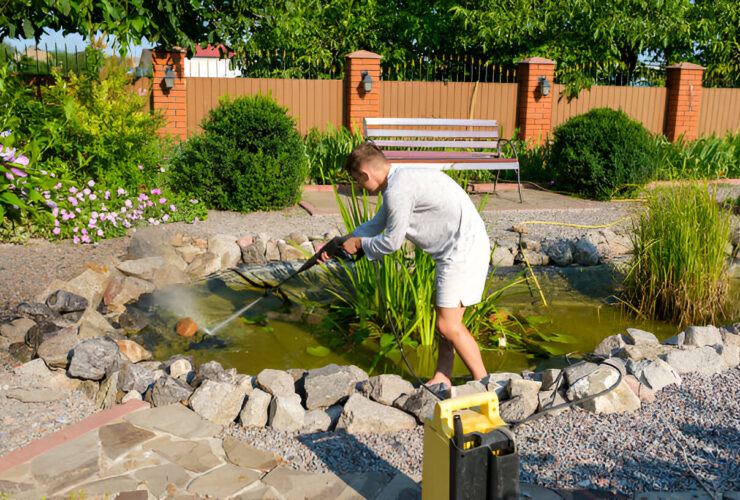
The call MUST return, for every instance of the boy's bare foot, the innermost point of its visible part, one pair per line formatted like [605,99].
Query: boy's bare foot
[439,378]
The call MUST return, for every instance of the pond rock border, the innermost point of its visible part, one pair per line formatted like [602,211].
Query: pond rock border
[71,342]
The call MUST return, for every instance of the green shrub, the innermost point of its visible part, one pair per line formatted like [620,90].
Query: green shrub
[602,154]
[327,152]
[678,270]
[249,157]
[89,126]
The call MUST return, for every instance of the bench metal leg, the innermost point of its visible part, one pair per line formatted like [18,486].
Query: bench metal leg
[495,181]
[519,186]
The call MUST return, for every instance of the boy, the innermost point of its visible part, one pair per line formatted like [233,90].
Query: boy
[432,211]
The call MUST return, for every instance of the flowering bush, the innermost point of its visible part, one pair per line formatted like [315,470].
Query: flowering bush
[44,205]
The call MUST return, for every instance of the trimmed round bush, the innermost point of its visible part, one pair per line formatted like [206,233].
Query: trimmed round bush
[602,154]
[249,157]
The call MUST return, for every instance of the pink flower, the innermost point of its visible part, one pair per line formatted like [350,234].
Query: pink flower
[149,203]
[107,195]
[162,201]
[56,230]
[128,203]
[73,190]
[75,229]
[100,233]
[52,175]
[83,230]
[56,222]
[143,197]
[76,240]
[86,239]
[87,191]
[141,167]
[72,200]
[121,191]
[78,210]
[93,197]
[156,191]
[55,211]
[18,172]
[80,196]
[126,223]
[151,220]
[91,183]
[173,208]
[58,185]
[123,210]
[165,217]
[9,176]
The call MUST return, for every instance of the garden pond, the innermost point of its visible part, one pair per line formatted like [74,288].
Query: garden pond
[280,335]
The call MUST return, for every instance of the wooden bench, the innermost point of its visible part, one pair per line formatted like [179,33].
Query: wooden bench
[452,144]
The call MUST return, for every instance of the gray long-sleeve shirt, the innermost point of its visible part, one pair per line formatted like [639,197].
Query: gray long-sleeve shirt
[426,207]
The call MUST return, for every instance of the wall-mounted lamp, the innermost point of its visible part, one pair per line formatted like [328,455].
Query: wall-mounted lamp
[367,81]
[169,77]
[544,86]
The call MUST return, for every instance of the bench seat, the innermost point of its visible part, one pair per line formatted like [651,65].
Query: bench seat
[446,144]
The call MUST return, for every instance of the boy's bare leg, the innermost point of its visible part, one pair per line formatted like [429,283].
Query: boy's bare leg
[450,325]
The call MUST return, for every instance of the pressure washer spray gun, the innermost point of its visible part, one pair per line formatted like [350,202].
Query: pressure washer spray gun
[333,249]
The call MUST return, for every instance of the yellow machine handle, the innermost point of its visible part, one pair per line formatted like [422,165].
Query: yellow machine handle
[487,401]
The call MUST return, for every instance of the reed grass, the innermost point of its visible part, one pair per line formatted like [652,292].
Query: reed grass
[678,272]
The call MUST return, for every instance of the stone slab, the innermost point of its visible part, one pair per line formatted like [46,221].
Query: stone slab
[295,484]
[160,479]
[175,419]
[116,439]
[245,455]
[223,482]
[68,464]
[193,455]
[105,488]
[36,395]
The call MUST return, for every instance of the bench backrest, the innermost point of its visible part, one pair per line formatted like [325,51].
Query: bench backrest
[431,133]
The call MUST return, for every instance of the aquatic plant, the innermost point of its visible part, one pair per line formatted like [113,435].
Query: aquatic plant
[678,270]
[397,293]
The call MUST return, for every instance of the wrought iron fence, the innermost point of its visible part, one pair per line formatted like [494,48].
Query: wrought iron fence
[616,74]
[448,68]
[40,61]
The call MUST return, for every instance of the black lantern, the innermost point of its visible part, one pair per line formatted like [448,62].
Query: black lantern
[367,81]
[544,86]
[169,77]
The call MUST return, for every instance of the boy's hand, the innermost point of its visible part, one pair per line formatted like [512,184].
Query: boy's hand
[353,245]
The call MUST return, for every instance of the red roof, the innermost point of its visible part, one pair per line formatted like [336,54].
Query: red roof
[211,51]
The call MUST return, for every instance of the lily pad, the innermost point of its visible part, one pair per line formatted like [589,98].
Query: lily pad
[319,351]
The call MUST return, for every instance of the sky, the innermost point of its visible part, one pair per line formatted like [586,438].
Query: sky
[74,43]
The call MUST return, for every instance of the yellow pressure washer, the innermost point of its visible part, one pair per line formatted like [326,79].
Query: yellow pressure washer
[469,452]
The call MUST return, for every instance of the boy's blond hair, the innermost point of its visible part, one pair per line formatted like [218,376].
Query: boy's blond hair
[364,153]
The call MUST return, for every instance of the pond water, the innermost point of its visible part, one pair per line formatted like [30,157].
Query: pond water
[580,304]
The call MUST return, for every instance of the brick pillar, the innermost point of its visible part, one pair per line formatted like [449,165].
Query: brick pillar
[683,82]
[172,102]
[534,111]
[359,104]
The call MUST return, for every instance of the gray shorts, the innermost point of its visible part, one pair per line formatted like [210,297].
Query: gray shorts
[462,278]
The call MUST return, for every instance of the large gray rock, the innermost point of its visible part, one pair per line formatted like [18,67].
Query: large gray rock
[134,377]
[143,269]
[167,390]
[704,360]
[275,382]
[254,413]
[36,311]
[16,329]
[585,253]
[420,404]
[699,336]
[498,382]
[219,402]
[502,257]
[289,252]
[93,359]
[108,392]
[579,370]
[536,258]
[286,413]
[146,244]
[326,386]
[40,333]
[254,254]
[226,248]
[362,416]
[644,351]
[655,373]
[610,346]
[56,351]
[203,265]
[528,388]
[552,379]
[182,368]
[730,355]
[550,399]
[385,388]
[641,337]
[63,301]
[316,421]
[467,389]
[560,252]
[676,340]
[618,400]
[519,407]
[213,370]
